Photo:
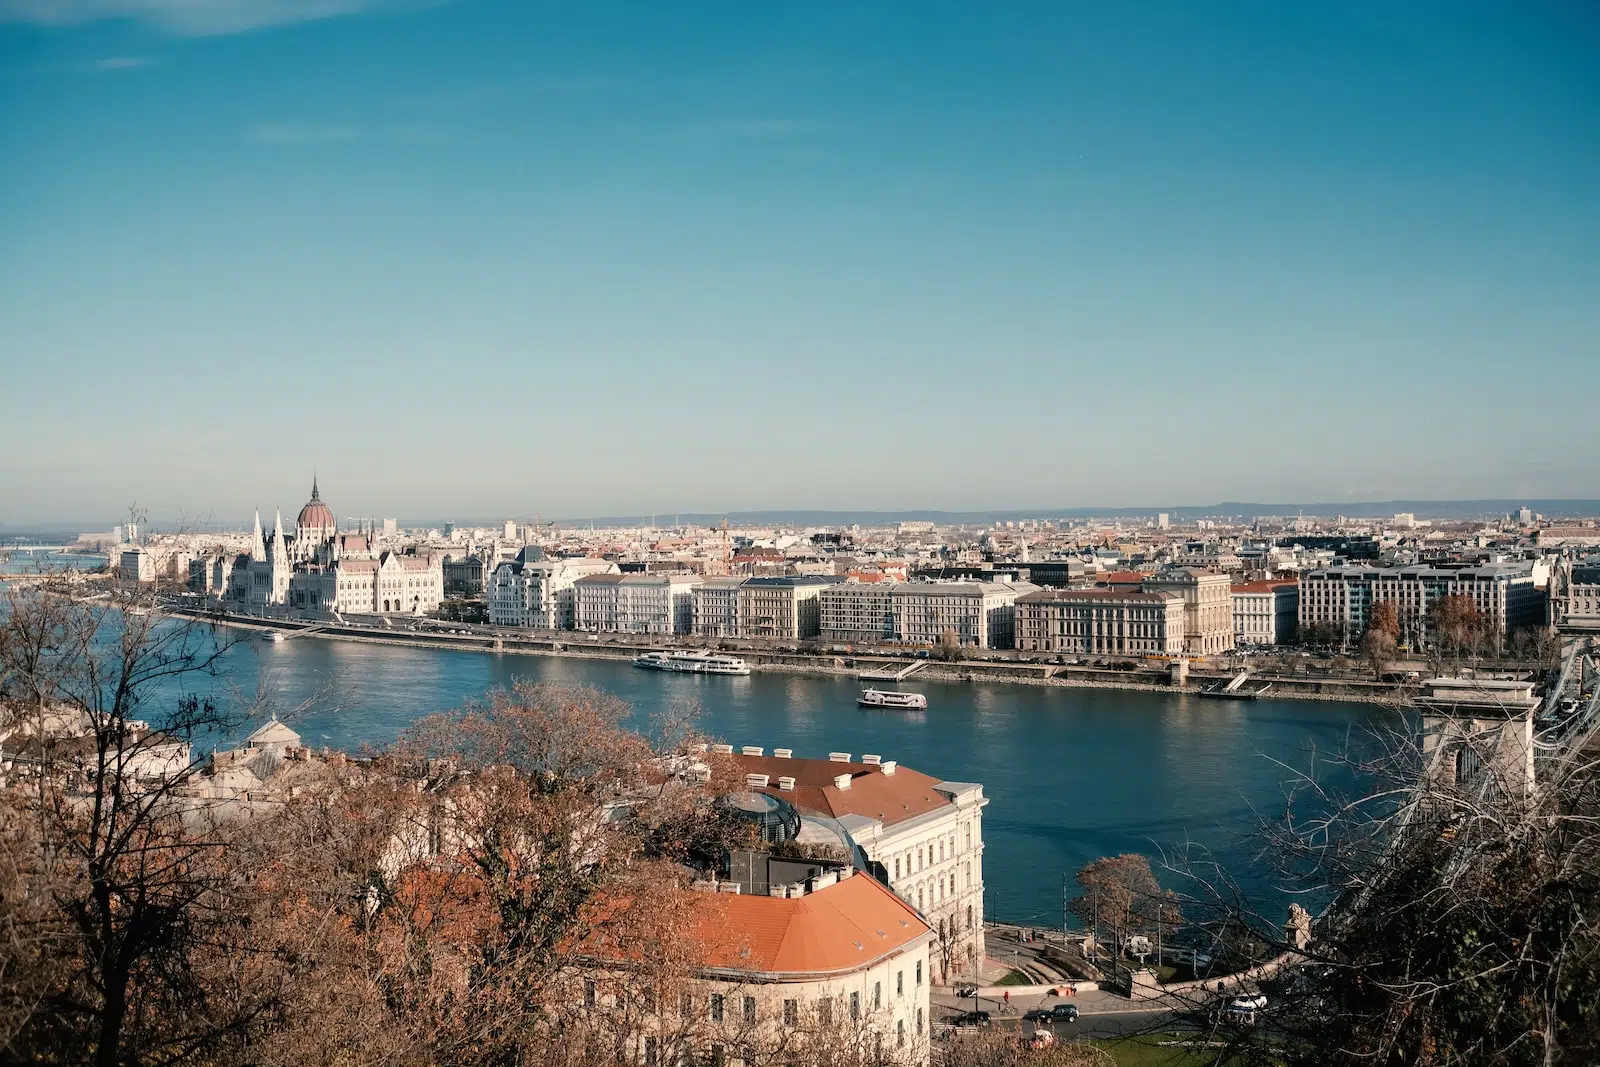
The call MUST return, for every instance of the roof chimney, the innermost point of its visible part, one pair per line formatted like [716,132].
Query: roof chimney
[756,781]
[783,753]
[786,783]
[726,750]
[888,766]
[838,757]
[752,750]
[871,760]
[841,781]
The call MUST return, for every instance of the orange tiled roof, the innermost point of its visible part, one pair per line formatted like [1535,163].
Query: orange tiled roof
[889,798]
[842,928]
[1266,586]
[1123,578]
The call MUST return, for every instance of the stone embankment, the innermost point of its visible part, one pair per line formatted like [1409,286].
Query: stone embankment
[782,661]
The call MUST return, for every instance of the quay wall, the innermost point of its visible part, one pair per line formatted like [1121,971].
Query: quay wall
[561,644]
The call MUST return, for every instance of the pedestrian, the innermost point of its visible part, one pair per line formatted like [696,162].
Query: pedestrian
[1008,996]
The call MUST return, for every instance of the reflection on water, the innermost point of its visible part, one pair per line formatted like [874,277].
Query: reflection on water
[1072,774]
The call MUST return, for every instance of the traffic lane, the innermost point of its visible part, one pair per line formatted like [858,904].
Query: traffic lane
[1108,1024]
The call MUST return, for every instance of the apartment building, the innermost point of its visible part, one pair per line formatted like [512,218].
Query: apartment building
[634,603]
[537,593]
[1207,606]
[979,614]
[831,952]
[925,834]
[858,612]
[1342,597]
[786,609]
[1101,622]
[1265,613]
[1575,595]
[714,608]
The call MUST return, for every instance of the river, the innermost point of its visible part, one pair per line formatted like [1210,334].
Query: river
[1073,774]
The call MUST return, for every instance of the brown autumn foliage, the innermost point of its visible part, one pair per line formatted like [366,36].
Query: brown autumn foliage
[503,886]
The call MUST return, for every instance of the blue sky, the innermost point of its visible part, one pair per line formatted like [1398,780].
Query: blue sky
[482,258]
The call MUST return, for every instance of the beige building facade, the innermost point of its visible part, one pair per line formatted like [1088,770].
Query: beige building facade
[1101,622]
[834,960]
[785,609]
[1207,604]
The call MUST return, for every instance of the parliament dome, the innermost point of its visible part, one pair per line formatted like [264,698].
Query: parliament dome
[316,515]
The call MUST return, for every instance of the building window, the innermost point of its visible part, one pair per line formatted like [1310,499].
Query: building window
[716,1007]
[649,1051]
[589,995]
[825,1011]
[900,1034]
[919,972]
[855,1007]
[877,995]
[899,983]
[791,1012]
[749,1009]
[919,1020]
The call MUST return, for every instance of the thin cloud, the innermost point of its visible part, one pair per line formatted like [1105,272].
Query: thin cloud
[295,133]
[773,128]
[119,63]
[321,133]
[193,18]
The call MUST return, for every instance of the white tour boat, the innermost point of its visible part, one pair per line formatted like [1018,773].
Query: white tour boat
[275,636]
[692,662]
[892,699]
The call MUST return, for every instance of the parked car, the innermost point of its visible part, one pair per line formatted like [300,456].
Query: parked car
[1037,1015]
[1064,1013]
[971,1018]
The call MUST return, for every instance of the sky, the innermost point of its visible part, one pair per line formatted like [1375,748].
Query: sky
[505,257]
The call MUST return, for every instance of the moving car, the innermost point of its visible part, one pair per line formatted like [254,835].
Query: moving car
[1064,1013]
[971,1018]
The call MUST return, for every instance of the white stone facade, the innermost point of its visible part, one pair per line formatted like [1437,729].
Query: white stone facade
[634,603]
[538,594]
[715,608]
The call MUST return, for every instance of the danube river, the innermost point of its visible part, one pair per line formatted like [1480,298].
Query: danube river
[1073,774]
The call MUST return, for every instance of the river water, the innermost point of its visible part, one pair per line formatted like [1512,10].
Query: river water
[1073,774]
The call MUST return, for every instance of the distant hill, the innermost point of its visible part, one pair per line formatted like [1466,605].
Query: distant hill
[1422,509]
[1228,509]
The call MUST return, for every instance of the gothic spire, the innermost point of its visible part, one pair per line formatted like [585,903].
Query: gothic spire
[258,551]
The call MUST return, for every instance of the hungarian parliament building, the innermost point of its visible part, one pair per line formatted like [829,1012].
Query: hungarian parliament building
[317,569]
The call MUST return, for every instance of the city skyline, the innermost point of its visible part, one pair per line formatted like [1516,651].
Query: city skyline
[621,259]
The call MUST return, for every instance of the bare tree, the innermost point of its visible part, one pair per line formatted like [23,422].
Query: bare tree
[1378,644]
[1459,911]
[117,883]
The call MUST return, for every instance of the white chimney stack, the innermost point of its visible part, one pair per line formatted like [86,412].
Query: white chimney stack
[752,750]
[841,781]
[756,781]
[888,766]
[838,757]
[786,784]
[726,750]
[871,760]
[783,753]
